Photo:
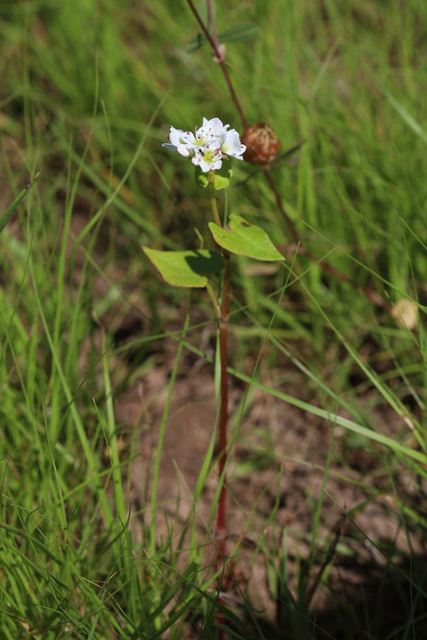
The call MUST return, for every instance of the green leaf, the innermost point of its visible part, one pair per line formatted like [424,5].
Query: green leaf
[223,176]
[185,268]
[12,208]
[201,178]
[202,10]
[239,32]
[221,179]
[196,43]
[245,239]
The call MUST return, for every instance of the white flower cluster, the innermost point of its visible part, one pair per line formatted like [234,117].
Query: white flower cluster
[208,146]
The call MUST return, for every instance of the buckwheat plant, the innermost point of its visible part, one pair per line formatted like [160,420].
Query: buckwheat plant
[209,149]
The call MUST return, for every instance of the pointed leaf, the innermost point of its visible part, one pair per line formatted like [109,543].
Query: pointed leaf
[196,42]
[239,32]
[203,12]
[185,268]
[245,239]
[200,39]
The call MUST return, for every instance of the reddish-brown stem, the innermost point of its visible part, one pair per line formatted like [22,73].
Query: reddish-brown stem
[221,537]
[223,409]
[201,23]
[375,297]
[369,293]
[233,94]
[218,54]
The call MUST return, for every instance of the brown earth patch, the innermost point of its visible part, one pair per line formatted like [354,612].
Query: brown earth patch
[277,467]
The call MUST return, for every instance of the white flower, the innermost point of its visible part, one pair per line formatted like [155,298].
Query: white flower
[210,144]
[213,128]
[231,146]
[181,141]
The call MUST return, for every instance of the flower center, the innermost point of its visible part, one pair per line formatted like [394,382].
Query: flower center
[211,156]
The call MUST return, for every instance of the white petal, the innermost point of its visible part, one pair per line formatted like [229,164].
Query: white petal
[232,145]
[216,165]
[215,127]
[170,147]
[188,139]
[182,149]
[206,166]
[175,136]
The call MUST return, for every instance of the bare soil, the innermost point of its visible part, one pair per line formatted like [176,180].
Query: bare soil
[276,477]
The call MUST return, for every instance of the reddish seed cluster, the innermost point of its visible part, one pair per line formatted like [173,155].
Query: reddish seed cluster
[262,144]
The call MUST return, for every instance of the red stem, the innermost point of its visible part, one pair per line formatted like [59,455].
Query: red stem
[375,297]
[221,537]
[223,410]
[216,50]
[233,94]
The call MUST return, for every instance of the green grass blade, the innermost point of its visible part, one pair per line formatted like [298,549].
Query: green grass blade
[12,207]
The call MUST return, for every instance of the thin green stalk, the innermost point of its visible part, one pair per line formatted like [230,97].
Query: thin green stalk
[214,300]
[213,204]
[12,207]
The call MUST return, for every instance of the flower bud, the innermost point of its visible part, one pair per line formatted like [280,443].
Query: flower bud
[222,53]
[262,144]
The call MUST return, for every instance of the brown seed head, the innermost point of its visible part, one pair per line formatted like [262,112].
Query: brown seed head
[262,144]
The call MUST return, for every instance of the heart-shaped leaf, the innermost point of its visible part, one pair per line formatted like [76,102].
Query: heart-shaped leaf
[185,268]
[245,239]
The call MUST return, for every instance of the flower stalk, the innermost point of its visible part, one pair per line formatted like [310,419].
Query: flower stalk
[223,406]
[213,202]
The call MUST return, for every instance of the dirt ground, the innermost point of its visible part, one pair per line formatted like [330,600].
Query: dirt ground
[278,458]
